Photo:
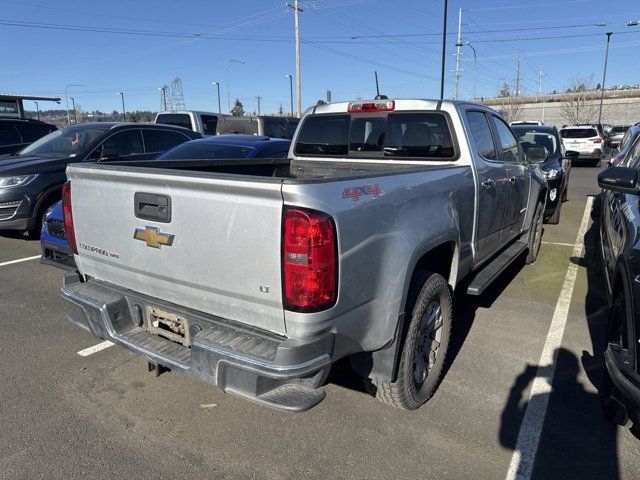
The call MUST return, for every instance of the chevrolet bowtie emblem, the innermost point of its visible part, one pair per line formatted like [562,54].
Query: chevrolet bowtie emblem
[153,237]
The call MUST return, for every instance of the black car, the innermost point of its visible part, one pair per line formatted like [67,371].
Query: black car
[556,168]
[619,224]
[17,133]
[30,181]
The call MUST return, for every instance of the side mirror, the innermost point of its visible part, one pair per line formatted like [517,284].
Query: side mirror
[571,154]
[536,154]
[620,179]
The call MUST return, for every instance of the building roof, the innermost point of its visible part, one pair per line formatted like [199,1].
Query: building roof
[10,96]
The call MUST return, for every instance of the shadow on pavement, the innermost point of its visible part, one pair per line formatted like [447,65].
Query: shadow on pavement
[28,237]
[577,441]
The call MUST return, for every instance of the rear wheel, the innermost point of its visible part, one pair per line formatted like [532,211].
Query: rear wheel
[535,234]
[425,346]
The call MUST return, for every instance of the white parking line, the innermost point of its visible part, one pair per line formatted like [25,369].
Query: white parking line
[560,244]
[524,454]
[96,348]
[26,259]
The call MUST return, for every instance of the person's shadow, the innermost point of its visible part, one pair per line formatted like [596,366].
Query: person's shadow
[576,441]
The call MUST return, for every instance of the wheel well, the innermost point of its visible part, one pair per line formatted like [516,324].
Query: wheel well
[48,199]
[436,260]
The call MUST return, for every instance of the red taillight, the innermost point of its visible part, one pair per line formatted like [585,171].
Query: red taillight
[597,140]
[308,260]
[372,106]
[67,214]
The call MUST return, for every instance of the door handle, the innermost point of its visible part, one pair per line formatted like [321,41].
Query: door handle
[511,179]
[487,184]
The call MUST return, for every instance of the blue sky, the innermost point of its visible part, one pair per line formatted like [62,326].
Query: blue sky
[42,61]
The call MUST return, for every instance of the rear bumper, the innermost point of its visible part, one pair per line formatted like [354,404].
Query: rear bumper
[268,369]
[57,255]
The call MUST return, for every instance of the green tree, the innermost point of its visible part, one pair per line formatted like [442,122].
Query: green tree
[134,117]
[504,91]
[238,109]
[281,111]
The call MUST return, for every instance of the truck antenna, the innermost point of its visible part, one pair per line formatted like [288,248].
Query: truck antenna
[378,96]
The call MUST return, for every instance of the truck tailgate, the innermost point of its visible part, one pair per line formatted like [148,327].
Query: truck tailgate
[223,258]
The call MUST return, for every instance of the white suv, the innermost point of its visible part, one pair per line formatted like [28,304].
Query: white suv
[584,140]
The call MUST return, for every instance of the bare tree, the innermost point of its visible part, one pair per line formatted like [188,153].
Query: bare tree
[579,104]
[513,107]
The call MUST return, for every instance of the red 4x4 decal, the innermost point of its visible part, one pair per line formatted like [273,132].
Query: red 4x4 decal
[357,192]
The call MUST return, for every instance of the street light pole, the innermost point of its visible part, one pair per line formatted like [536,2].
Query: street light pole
[291,91]
[37,109]
[604,76]
[226,71]
[66,98]
[73,105]
[475,67]
[218,85]
[124,112]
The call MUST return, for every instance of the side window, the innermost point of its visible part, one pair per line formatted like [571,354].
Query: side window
[209,124]
[277,151]
[158,141]
[9,135]
[123,144]
[275,128]
[633,157]
[481,133]
[509,151]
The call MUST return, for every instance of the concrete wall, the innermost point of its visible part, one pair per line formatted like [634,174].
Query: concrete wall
[616,110]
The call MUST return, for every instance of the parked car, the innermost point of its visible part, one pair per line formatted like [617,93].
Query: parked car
[619,156]
[276,127]
[606,128]
[53,240]
[18,133]
[30,181]
[616,134]
[584,140]
[556,166]
[601,131]
[257,275]
[229,146]
[205,123]
[619,249]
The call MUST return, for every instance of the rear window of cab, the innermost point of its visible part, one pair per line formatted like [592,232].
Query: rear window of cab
[416,135]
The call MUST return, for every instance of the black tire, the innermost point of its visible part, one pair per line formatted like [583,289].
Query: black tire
[535,235]
[419,371]
[565,191]
[555,218]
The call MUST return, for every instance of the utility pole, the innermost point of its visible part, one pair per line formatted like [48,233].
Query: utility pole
[458,54]
[163,89]
[296,16]
[604,75]
[444,50]
[258,97]
[540,75]
[517,92]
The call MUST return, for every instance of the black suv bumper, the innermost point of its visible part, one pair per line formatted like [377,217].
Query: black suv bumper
[275,371]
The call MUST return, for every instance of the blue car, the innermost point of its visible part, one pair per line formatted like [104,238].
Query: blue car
[53,240]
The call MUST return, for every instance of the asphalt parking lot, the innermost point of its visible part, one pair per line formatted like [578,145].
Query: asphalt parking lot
[103,416]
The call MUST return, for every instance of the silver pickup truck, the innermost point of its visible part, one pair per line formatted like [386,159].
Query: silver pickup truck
[256,275]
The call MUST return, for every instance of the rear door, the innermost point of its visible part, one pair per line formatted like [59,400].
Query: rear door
[214,248]
[493,187]
[518,178]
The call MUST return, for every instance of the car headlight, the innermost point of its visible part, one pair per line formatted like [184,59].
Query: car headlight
[16,181]
[550,174]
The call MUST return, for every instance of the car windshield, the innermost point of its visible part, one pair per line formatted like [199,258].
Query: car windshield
[67,142]
[546,140]
[205,151]
[579,133]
